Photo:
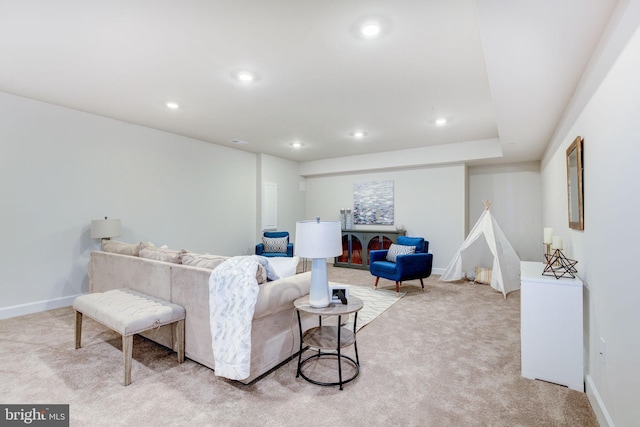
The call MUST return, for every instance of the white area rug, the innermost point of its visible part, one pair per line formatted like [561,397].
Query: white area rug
[375,303]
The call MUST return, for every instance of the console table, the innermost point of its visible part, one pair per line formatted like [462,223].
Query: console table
[329,340]
[356,245]
[551,327]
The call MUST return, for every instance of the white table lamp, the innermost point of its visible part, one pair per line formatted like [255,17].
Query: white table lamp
[318,240]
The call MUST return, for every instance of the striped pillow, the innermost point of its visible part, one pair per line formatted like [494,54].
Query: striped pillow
[483,275]
[395,250]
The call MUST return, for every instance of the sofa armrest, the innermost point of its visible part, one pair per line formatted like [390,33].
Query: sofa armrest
[290,249]
[259,249]
[377,255]
[279,295]
[414,264]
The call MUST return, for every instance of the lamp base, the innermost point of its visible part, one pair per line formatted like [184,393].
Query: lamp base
[319,291]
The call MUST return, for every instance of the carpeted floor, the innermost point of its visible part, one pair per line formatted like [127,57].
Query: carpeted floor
[449,356]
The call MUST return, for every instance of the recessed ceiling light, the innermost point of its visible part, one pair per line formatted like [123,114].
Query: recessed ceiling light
[246,76]
[359,134]
[370,29]
[172,105]
[238,142]
[441,122]
[296,144]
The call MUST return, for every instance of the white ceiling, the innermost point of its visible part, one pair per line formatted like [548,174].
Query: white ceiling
[496,69]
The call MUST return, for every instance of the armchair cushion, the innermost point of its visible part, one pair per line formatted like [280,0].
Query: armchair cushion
[386,267]
[420,244]
[395,250]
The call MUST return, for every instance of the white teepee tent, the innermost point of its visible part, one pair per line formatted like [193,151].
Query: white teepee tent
[486,246]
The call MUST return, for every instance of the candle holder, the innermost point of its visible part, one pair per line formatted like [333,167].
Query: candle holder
[548,239]
[559,265]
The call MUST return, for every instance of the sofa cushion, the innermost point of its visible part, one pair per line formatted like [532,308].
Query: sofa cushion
[418,242]
[275,244]
[121,248]
[203,260]
[284,267]
[162,254]
[395,250]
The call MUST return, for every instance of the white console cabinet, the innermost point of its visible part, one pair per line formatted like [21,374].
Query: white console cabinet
[551,327]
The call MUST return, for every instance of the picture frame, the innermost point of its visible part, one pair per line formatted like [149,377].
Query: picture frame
[334,293]
[575,191]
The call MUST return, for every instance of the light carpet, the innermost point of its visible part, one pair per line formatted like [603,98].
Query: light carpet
[375,302]
[448,356]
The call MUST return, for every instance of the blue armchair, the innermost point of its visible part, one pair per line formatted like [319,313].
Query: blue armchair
[407,266]
[275,244]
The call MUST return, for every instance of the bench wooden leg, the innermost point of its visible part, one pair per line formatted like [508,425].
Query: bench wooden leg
[78,329]
[127,352]
[179,325]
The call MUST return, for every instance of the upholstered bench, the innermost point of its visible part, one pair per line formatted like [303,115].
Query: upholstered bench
[129,312]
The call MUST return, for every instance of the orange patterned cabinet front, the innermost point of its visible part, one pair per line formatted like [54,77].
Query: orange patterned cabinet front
[356,245]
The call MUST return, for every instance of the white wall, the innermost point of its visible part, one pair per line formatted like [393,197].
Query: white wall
[429,202]
[607,249]
[516,193]
[290,197]
[61,168]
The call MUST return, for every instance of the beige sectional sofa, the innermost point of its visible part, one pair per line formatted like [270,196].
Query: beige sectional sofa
[274,335]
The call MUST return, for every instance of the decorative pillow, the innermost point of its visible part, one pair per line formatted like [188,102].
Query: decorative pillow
[284,266]
[275,244]
[122,248]
[162,254]
[203,261]
[395,250]
[483,275]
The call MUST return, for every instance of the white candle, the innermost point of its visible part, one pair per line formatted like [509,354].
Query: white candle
[557,242]
[548,232]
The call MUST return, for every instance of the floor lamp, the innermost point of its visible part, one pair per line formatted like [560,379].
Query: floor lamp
[318,240]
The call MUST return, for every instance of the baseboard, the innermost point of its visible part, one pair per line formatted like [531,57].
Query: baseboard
[36,307]
[602,415]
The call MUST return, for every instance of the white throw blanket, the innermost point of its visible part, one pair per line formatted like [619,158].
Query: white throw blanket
[233,292]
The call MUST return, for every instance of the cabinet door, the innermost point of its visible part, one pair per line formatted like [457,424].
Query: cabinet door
[352,244]
[344,257]
[356,249]
[551,333]
[379,241]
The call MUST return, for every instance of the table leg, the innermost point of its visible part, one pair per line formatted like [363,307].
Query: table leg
[355,342]
[339,356]
[300,352]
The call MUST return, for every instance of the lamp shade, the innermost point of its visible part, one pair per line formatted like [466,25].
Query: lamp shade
[105,228]
[318,239]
